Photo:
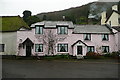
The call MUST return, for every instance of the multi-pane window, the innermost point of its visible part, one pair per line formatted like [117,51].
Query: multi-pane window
[90,49]
[38,29]
[2,47]
[105,37]
[87,36]
[105,48]
[38,47]
[62,30]
[62,47]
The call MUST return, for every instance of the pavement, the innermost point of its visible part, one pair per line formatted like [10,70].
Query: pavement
[60,69]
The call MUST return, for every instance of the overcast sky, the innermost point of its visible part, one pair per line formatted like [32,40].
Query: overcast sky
[16,7]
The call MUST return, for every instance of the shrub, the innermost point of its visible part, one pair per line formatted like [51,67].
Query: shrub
[93,55]
[115,54]
[112,55]
[62,56]
[107,55]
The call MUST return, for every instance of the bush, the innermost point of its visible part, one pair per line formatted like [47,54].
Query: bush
[107,55]
[62,56]
[112,55]
[93,55]
[115,54]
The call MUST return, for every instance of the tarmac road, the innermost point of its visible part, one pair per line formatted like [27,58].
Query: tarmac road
[60,69]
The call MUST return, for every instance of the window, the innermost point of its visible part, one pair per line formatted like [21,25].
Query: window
[87,37]
[109,22]
[2,47]
[105,37]
[62,47]
[105,48]
[90,49]
[39,29]
[38,47]
[62,30]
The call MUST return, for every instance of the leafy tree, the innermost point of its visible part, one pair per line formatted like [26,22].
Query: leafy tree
[50,39]
[44,17]
[32,19]
[26,14]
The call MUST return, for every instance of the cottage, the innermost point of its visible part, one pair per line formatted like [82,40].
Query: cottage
[113,20]
[59,37]
[8,34]
[62,37]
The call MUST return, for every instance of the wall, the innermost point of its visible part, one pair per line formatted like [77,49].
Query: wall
[9,39]
[114,19]
[96,40]
[119,41]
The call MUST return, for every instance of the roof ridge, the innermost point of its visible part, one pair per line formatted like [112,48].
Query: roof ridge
[10,16]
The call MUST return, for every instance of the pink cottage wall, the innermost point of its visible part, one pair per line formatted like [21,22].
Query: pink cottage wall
[70,39]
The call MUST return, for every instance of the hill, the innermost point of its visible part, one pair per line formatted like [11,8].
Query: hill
[79,15]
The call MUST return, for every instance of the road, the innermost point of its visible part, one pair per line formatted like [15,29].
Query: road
[60,69]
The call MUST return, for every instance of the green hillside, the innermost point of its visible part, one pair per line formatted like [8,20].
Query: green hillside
[79,15]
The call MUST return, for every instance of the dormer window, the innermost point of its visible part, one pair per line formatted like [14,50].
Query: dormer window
[105,37]
[38,29]
[62,30]
[87,36]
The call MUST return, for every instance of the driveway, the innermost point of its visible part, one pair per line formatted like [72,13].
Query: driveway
[60,69]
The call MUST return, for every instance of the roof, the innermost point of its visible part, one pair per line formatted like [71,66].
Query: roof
[79,41]
[54,24]
[116,28]
[111,14]
[12,23]
[28,41]
[92,29]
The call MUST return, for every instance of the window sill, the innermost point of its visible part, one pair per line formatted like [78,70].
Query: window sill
[62,34]
[87,40]
[39,53]
[62,53]
[105,40]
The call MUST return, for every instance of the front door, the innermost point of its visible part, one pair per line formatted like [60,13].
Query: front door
[28,50]
[79,50]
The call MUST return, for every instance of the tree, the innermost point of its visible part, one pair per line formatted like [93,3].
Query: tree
[32,19]
[26,14]
[44,17]
[50,39]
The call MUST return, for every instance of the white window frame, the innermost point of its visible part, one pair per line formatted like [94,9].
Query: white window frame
[87,37]
[90,49]
[105,37]
[38,29]
[62,30]
[107,50]
[62,45]
[38,46]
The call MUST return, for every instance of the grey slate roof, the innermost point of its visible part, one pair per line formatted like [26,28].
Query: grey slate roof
[91,29]
[116,28]
[53,24]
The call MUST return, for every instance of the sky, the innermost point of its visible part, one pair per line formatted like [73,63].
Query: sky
[16,7]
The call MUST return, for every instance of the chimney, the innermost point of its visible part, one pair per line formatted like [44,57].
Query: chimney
[115,7]
[103,18]
[63,18]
